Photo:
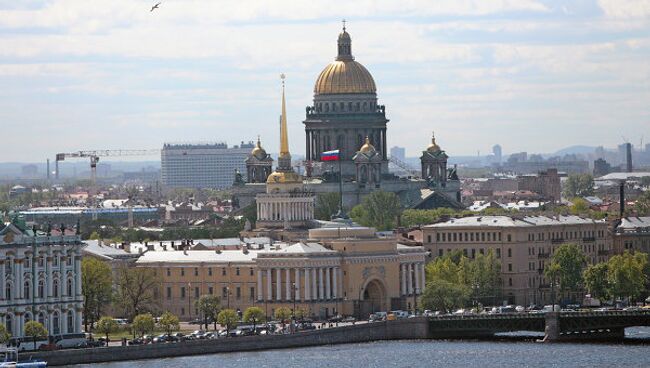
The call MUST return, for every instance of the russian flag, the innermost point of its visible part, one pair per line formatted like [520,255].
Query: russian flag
[330,156]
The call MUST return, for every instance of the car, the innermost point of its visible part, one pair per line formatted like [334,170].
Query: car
[196,321]
[198,334]
[210,335]
[136,341]
[349,319]
[159,339]
[335,319]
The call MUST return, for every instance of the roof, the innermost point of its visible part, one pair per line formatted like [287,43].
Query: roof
[623,175]
[106,251]
[198,256]
[634,222]
[506,221]
[302,248]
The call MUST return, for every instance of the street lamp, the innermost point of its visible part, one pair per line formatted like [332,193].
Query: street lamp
[228,297]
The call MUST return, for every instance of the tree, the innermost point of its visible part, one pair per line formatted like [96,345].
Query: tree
[327,204]
[253,315]
[143,323]
[378,209]
[136,290]
[413,217]
[484,277]
[4,334]
[34,329]
[551,272]
[228,318]
[169,322]
[579,206]
[571,260]
[106,326]
[282,314]
[595,277]
[97,288]
[444,296]
[643,203]
[579,185]
[94,236]
[209,306]
[625,275]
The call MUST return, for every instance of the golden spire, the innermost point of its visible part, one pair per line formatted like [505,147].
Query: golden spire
[284,137]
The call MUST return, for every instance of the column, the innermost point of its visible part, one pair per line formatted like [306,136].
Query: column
[297,278]
[307,285]
[321,291]
[2,278]
[269,287]
[260,295]
[278,284]
[328,285]
[403,267]
[423,277]
[48,275]
[19,282]
[409,279]
[77,267]
[313,284]
[417,278]
[77,320]
[335,282]
[287,282]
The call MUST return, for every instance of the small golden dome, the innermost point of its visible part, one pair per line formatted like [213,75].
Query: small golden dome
[367,147]
[283,177]
[258,151]
[433,147]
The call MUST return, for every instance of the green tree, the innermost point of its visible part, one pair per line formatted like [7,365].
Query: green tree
[253,315]
[411,217]
[444,296]
[579,206]
[552,273]
[97,288]
[34,329]
[327,204]
[595,277]
[642,205]
[571,261]
[484,277]
[143,324]
[209,306]
[169,322]
[136,290]
[94,236]
[378,209]
[625,275]
[578,185]
[228,318]
[106,325]
[4,334]
[282,314]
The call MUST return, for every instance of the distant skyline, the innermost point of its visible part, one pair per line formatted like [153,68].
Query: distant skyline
[534,76]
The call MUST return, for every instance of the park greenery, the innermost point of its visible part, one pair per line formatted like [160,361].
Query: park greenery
[623,276]
[169,322]
[136,289]
[228,318]
[97,289]
[106,325]
[4,334]
[282,314]
[143,324]
[34,329]
[327,204]
[565,268]
[454,279]
[378,209]
[578,185]
[209,306]
[253,315]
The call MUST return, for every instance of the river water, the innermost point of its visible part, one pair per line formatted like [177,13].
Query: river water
[423,353]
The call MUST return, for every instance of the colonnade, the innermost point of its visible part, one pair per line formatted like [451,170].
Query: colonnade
[302,283]
[290,209]
[412,278]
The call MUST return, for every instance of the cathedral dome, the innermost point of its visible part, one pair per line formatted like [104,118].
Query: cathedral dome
[258,151]
[433,147]
[344,75]
[367,147]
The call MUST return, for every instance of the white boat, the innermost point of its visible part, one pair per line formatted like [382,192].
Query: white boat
[9,359]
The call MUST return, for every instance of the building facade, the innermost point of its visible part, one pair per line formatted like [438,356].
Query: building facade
[545,183]
[202,165]
[632,234]
[523,245]
[41,279]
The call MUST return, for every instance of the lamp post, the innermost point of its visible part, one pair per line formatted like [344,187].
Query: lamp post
[228,297]
[189,299]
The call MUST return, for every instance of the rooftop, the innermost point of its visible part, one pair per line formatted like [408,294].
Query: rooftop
[507,221]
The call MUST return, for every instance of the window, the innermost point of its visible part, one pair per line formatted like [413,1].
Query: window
[237,271]
[28,263]
[509,267]
[210,290]
[68,260]
[169,292]
[196,292]
[55,288]
[437,237]
[209,271]
[8,291]
[182,311]
[238,292]
[26,290]
[55,259]
[41,262]
[471,236]
[9,323]
[69,287]
[510,281]
[223,271]
[509,237]
[498,252]
[509,252]
[55,322]
[252,293]
[182,271]
[70,322]
[182,292]
[482,236]
[444,237]
[41,288]
[454,236]
[252,272]
[196,271]
[439,252]
[169,271]
[428,238]
[224,292]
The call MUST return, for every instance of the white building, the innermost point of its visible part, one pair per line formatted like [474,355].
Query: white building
[41,279]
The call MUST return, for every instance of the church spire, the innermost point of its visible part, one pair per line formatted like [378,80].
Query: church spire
[284,137]
[345,45]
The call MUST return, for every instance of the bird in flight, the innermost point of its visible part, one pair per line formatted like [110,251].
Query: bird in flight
[157,6]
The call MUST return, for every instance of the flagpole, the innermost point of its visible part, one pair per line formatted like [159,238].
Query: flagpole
[340,187]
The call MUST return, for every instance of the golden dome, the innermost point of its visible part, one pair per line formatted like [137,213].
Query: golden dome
[345,77]
[367,147]
[258,151]
[433,147]
[283,177]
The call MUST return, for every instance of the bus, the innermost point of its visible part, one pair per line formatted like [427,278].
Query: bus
[73,340]
[28,343]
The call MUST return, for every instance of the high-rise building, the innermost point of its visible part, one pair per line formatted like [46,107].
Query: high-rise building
[398,153]
[496,150]
[202,165]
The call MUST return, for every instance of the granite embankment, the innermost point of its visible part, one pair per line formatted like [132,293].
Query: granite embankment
[413,328]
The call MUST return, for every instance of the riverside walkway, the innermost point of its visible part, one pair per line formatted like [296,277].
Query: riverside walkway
[557,327]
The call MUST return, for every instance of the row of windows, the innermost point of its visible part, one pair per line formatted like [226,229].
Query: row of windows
[343,107]
[40,290]
[471,252]
[469,237]
[9,321]
[224,271]
[569,235]
[10,264]
[224,292]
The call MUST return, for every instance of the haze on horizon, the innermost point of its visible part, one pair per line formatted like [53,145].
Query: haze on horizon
[531,75]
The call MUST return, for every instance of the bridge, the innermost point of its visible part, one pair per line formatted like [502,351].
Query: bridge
[555,325]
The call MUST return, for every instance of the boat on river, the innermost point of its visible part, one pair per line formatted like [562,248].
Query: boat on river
[9,359]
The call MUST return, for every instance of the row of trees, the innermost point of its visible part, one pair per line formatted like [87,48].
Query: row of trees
[33,329]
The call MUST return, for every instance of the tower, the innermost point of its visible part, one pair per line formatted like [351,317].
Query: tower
[434,164]
[258,164]
[344,112]
[368,165]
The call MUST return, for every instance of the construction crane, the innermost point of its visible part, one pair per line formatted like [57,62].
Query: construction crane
[95,155]
[404,166]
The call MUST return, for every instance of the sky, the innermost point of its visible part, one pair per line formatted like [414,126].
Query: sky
[531,75]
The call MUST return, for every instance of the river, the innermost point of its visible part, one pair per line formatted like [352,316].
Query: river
[423,353]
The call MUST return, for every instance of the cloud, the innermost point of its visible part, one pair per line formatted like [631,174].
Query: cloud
[625,8]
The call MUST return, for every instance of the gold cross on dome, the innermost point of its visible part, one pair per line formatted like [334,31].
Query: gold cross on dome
[344,21]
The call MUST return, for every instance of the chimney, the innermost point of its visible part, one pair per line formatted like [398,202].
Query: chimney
[628,156]
[621,197]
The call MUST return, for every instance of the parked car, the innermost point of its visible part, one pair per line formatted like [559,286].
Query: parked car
[136,341]
[196,321]
[159,339]
[335,319]
[198,334]
[348,319]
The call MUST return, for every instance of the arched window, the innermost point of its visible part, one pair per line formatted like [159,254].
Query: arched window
[26,290]
[334,106]
[9,322]
[55,288]
[56,324]
[8,291]
[41,288]
[365,106]
[327,107]
[28,317]
[69,287]
[70,322]
[41,318]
